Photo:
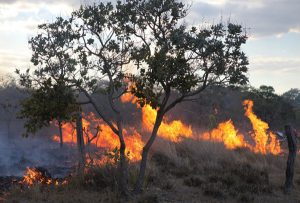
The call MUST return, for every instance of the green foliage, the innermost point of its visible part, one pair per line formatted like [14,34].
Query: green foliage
[97,41]
[54,80]
[46,104]
[101,45]
[87,53]
[292,96]
[173,58]
[68,62]
[271,107]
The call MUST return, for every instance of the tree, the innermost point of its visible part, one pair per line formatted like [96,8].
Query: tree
[47,103]
[102,45]
[172,57]
[271,107]
[54,82]
[88,53]
[266,101]
[82,55]
[292,96]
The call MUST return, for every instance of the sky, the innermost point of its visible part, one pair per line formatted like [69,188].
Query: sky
[273,27]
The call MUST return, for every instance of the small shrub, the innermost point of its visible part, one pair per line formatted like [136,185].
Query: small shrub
[163,161]
[246,197]
[167,185]
[148,198]
[193,181]
[214,190]
[100,178]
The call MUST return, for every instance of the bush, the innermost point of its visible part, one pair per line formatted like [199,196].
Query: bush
[100,178]
[193,181]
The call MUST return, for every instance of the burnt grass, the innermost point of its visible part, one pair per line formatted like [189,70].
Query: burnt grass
[7,182]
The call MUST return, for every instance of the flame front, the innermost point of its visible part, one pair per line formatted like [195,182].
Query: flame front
[33,176]
[173,131]
[226,133]
[100,135]
[264,142]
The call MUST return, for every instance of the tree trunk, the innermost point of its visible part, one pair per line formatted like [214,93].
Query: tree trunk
[60,134]
[123,165]
[80,141]
[292,144]
[140,181]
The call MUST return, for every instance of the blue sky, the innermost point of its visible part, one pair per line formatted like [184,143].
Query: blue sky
[273,27]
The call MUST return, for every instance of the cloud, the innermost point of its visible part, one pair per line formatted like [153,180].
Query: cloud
[70,2]
[276,65]
[263,17]
[280,72]
[24,16]
[9,61]
[18,23]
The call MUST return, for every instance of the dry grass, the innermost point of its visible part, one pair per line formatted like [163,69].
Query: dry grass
[63,195]
[185,172]
[97,185]
[208,171]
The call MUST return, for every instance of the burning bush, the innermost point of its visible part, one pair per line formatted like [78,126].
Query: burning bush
[35,176]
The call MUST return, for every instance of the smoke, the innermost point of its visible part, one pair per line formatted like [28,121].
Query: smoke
[17,153]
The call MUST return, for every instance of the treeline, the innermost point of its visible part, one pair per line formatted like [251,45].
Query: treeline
[217,103]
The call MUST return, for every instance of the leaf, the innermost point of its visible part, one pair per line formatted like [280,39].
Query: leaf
[90,41]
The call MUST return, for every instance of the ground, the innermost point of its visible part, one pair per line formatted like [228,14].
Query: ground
[189,171]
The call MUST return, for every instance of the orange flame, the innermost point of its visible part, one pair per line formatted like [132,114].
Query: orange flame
[226,133]
[127,97]
[264,142]
[100,135]
[33,176]
[173,131]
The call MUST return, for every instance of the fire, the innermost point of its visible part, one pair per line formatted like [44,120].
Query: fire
[226,133]
[173,131]
[127,97]
[264,142]
[34,176]
[100,135]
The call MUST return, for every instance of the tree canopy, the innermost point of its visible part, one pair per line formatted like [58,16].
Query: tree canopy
[91,51]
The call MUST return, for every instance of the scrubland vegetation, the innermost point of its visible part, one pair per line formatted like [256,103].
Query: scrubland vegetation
[186,172]
[194,75]
[191,170]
